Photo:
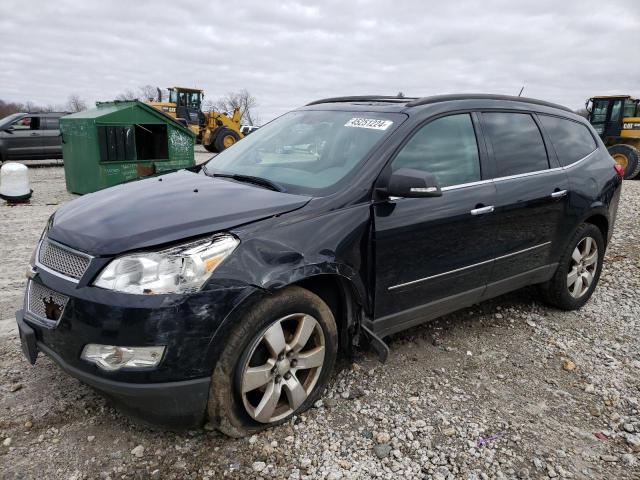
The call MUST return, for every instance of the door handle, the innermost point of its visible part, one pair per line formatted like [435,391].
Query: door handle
[558,194]
[482,210]
[34,134]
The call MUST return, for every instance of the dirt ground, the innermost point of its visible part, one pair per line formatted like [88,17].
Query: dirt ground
[506,389]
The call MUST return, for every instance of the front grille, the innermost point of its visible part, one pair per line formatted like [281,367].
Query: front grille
[62,260]
[44,303]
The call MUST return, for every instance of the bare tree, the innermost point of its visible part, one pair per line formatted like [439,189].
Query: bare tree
[148,93]
[144,93]
[7,108]
[75,103]
[31,107]
[127,95]
[242,100]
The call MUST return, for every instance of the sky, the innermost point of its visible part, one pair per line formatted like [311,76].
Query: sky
[288,53]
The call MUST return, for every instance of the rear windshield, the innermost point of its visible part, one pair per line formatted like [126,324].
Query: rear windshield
[307,152]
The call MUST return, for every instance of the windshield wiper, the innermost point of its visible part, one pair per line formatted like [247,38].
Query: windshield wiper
[263,182]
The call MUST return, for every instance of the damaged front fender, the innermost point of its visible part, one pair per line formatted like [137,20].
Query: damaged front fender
[281,252]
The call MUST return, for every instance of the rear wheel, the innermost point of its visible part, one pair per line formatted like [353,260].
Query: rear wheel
[578,270]
[628,158]
[225,138]
[276,363]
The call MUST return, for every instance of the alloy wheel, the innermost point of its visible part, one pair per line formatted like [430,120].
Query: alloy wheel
[282,367]
[584,261]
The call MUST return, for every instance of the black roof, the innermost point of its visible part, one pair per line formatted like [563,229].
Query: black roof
[415,101]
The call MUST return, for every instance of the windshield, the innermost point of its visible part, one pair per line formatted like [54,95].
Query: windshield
[307,152]
[6,121]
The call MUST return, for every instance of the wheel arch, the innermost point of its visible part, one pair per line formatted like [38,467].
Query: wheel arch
[342,297]
[339,292]
[600,221]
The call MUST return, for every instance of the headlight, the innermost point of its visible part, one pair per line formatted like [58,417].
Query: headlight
[112,358]
[180,269]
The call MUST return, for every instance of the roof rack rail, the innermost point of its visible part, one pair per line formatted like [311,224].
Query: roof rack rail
[483,96]
[365,98]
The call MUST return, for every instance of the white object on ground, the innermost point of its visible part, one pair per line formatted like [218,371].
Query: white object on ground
[14,182]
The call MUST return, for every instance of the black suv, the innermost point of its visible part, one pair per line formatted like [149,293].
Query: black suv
[227,292]
[30,136]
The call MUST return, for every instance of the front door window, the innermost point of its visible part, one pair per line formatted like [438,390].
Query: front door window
[445,147]
[27,123]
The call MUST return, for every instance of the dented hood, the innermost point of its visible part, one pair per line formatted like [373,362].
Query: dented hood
[164,209]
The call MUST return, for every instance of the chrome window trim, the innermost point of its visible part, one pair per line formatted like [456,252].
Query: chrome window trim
[519,175]
[571,165]
[465,185]
[412,282]
[64,247]
[527,174]
[43,322]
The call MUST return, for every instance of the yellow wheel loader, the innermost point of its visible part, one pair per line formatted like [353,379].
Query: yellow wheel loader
[215,130]
[617,121]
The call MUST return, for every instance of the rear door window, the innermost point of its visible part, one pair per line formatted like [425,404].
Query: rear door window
[445,147]
[571,140]
[51,123]
[517,143]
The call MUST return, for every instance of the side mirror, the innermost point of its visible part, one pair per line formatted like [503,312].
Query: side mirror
[411,183]
[9,129]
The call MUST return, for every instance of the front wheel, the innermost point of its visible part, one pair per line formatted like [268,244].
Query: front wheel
[578,270]
[275,364]
[225,138]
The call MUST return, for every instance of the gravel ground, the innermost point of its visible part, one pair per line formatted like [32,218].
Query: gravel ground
[505,389]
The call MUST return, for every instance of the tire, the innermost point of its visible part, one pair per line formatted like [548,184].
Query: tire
[225,138]
[628,157]
[558,292]
[210,147]
[236,411]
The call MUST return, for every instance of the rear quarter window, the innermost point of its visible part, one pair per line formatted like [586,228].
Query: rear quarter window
[571,140]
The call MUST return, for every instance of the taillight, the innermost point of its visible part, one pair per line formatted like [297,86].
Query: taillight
[619,170]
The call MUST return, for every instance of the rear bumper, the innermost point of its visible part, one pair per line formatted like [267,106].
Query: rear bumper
[171,404]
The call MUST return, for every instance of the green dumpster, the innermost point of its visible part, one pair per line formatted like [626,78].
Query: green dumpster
[121,141]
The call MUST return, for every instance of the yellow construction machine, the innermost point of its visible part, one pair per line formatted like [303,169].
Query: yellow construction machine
[215,130]
[616,118]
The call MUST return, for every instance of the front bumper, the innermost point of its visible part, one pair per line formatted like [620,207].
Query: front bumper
[180,404]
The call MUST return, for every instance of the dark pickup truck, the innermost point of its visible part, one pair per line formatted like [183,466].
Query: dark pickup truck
[30,136]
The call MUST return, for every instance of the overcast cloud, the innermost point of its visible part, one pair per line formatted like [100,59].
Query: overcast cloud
[289,53]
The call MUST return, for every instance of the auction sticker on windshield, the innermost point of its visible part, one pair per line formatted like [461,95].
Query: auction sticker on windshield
[373,123]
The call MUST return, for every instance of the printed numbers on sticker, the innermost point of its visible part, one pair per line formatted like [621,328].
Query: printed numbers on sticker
[373,123]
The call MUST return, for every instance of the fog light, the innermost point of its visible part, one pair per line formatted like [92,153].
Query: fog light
[111,358]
